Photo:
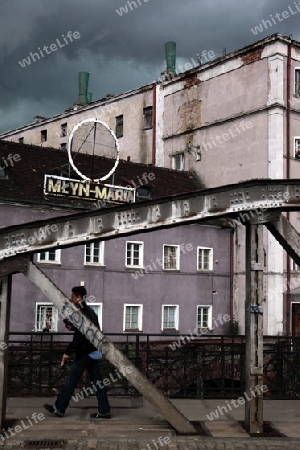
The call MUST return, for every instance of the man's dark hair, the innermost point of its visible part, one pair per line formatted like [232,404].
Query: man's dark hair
[80,291]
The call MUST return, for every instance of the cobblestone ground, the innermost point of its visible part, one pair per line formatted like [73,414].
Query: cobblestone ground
[178,443]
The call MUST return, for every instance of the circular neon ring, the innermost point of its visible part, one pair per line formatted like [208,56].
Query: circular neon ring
[71,159]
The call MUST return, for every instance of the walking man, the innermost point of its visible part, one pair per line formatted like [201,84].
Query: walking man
[87,357]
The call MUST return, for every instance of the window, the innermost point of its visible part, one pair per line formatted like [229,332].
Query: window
[147,114]
[134,254]
[132,317]
[21,140]
[177,162]
[45,317]
[204,317]
[294,266]
[43,135]
[3,172]
[97,307]
[63,146]
[94,253]
[52,256]
[143,192]
[119,126]
[205,258]
[63,129]
[297,83]
[170,317]
[171,257]
[297,147]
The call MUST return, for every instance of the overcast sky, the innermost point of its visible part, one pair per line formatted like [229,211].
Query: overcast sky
[121,52]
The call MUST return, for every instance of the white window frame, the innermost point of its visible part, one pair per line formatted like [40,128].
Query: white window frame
[210,263]
[296,94]
[54,316]
[209,320]
[101,254]
[294,266]
[100,312]
[140,318]
[177,256]
[47,261]
[174,157]
[141,254]
[296,138]
[176,318]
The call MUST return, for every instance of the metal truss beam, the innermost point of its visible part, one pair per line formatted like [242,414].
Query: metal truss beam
[241,201]
[112,354]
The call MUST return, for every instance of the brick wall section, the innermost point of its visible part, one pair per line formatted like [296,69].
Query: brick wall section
[191,81]
[252,57]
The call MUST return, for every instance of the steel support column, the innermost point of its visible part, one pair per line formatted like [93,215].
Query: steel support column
[5,293]
[112,354]
[254,328]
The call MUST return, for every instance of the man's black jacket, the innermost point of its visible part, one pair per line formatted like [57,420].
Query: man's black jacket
[80,345]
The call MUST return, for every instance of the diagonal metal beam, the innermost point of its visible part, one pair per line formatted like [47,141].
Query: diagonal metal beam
[112,354]
[287,236]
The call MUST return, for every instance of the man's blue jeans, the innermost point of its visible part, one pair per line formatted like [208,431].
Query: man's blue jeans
[76,370]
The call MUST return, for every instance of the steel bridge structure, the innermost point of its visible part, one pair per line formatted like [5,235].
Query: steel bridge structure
[256,204]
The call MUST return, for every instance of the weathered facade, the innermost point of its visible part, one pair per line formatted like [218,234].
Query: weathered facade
[129,115]
[233,120]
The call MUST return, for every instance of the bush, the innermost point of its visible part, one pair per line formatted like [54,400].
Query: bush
[233,327]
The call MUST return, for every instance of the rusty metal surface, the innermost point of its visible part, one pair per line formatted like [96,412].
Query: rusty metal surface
[259,199]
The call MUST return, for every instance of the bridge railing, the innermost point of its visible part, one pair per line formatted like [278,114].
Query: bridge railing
[180,366]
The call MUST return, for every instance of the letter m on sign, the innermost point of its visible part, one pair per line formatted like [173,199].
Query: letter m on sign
[52,186]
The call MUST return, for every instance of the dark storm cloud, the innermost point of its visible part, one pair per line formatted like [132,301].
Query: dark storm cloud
[120,52]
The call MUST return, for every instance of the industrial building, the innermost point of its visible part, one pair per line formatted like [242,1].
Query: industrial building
[229,120]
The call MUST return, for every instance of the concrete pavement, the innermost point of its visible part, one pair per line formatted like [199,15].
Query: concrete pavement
[136,425]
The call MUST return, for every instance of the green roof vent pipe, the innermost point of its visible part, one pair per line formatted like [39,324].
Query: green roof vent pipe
[89,97]
[170,48]
[83,79]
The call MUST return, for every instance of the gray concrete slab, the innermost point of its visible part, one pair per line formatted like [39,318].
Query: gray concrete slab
[141,427]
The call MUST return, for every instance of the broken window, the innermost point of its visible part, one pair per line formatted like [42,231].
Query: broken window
[147,114]
[64,129]
[43,135]
[119,126]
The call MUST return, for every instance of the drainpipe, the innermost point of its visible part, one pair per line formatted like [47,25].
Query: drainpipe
[288,156]
[231,271]
[154,126]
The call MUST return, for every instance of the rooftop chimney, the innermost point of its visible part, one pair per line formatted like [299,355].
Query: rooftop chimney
[83,79]
[170,48]
[89,97]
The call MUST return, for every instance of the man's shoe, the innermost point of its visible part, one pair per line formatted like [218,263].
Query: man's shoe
[98,415]
[51,410]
